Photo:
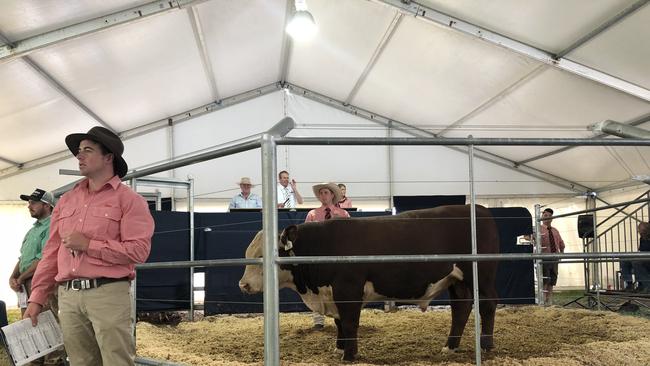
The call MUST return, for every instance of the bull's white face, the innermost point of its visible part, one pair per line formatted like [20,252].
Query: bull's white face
[252,282]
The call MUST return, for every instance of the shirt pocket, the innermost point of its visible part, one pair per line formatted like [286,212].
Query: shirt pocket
[67,221]
[104,222]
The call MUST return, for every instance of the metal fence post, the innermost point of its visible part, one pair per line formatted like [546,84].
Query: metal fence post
[538,249]
[270,227]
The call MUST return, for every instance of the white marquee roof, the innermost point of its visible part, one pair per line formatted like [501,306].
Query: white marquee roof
[503,68]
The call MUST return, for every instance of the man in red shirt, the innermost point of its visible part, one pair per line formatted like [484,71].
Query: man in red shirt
[551,243]
[99,231]
[345,201]
[329,195]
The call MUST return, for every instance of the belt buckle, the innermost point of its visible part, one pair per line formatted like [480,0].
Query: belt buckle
[80,284]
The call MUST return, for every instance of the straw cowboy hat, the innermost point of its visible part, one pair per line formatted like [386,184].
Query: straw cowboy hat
[338,195]
[105,137]
[245,180]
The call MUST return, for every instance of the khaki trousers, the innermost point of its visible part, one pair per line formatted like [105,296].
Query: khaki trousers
[96,325]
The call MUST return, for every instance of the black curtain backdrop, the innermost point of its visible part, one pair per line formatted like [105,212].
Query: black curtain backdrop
[409,203]
[166,289]
[227,235]
[515,279]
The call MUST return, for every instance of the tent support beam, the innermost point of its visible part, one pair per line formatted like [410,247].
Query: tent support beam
[287,44]
[24,47]
[147,128]
[418,132]
[203,51]
[9,161]
[392,27]
[397,125]
[446,21]
[637,121]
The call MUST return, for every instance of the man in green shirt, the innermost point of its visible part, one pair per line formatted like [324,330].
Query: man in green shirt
[41,204]
[40,207]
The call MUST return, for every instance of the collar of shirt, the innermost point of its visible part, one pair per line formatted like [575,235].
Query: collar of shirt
[250,195]
[45,221]
[113,183]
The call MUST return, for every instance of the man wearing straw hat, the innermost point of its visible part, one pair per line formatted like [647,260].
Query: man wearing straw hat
[329,194]
[99,231]
[246,199]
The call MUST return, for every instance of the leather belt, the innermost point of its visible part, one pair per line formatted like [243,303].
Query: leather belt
[89,283]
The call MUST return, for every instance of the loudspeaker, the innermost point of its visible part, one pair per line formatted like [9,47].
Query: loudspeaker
[586,226]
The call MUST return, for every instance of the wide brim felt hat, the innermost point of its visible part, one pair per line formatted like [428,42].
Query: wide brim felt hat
[338,195]
[105,137]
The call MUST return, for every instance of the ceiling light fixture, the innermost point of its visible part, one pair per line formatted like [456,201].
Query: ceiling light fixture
[302,26]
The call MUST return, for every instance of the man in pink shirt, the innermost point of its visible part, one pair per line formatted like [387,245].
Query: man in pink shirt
[345,201]
[551,243]
[99,231]
[329,195]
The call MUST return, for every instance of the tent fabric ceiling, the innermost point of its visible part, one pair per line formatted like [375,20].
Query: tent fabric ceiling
[369,54]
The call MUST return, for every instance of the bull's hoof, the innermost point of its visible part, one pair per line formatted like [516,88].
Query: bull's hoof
[487,343]
[349,355]
[447,350]
[487,347]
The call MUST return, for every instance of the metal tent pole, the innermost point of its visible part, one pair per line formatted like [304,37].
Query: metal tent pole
[538,249]
[190,208]
[270,267]
[477,317]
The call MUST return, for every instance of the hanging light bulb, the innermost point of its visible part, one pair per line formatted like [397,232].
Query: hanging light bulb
[302,26]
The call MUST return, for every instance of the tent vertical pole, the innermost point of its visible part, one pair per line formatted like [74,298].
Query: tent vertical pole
[190,208]
[538,249]
[270,268]
[477,317]
[134,302]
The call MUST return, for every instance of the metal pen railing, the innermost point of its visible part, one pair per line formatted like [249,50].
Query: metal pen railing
[269,142]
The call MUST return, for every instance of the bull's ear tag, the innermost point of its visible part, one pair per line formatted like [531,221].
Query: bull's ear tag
[288,246]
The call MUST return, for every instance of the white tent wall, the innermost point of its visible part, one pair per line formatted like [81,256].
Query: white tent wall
[46,177]
[215,179]
[363,169]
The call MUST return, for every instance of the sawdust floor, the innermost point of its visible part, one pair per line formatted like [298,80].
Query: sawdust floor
[527,335]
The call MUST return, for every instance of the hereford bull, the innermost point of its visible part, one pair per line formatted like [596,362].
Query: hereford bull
[339,290]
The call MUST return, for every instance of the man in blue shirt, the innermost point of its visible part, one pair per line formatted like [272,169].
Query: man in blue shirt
[245,199]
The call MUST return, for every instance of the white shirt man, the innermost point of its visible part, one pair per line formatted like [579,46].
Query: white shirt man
[288,196]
